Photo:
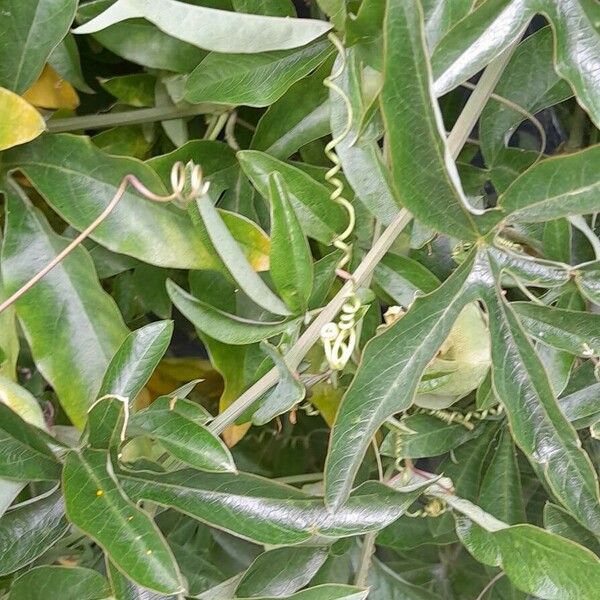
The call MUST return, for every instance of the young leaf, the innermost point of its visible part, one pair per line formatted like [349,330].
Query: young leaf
[235,261]
[573,331]
[415,129]
[153,232]
[96,504]
[19,121]
[29,32]
[68,583]
[222,326]
[252,79]
[290,259]
[28,530]
[264,511]
[321,218]
[73,326]
[386,382]
[183,437]
[211,29]
[135,360]
[281,572]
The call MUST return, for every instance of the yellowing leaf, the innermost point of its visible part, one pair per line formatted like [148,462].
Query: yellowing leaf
[52,91]
[17,398]
[19,121]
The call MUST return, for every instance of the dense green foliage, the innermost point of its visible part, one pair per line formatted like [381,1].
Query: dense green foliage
[299,300]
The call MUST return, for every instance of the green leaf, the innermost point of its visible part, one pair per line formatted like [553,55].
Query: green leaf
[573,331]
[20,122]
[65,61]
[441,16]
[264,511]
[431,437]
[560,522]
[253,79]
[124,589]
[21,401]
[136,359]
[386,382]
[401,278]
[556,187]
[501,492]
[587,278]
[386,584]
[477,39]
[73,327]
[300,116]
[107,419]
[29,31]
[26,455]
[530,81]
[67,583]
[284,396]
[327,592]
[321,218]
[415,129]
[211,29]
[235,261]
[274,8]
[31,528]
[182,436]
[281,572]
[557,240]
[537,424]
[582,403]
[141,42]
[547,566]
[290,258]
[96,504]
[575,24]
[78,181]
[220,325]
[359,151]
[135,90]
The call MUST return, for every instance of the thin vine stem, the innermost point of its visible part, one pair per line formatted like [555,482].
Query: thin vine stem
[129,117]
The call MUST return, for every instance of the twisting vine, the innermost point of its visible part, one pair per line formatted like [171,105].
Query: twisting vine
[187,183]
[339,339]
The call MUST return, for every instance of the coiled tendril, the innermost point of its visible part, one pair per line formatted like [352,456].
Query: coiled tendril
[339,339]
[187,184]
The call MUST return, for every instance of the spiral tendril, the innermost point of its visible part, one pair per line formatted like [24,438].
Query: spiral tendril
[339,339]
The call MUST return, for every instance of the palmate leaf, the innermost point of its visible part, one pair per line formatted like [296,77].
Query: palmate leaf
[394,361]
[265,511]
[211,29]
[387,379]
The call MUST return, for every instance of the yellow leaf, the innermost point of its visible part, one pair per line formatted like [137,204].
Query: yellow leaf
[52,91]
[326,399]
[19,121]
[255,243]
[17,398]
